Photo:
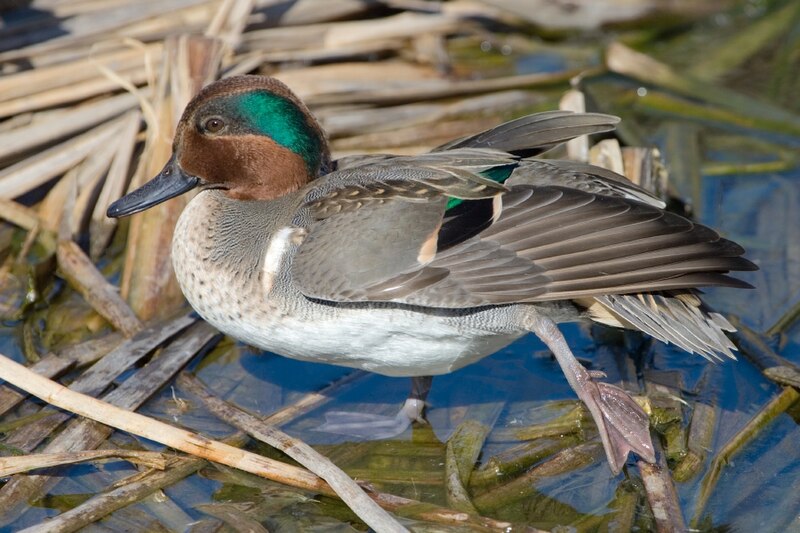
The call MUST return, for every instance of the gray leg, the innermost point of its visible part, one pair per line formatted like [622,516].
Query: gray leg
[623,425]
[414,406]
[370,426]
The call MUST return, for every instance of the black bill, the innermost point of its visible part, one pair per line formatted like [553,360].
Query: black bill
[169,183]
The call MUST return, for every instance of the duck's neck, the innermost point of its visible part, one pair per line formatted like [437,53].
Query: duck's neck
[230,233]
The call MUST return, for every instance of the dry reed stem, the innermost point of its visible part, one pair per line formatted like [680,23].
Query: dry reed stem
[19,215]
[129,20]
[132,491]
[52,365]
[757,349]
[114,361]
[189,442]
[661,495]
[39,80]
[347,489]
[607,154]
[179,439]
[69,94]
[52,209]
[402,26]
[101,227]
[103,504]
[28,174]
[147,279]
[577,148]
[84,277]
[645,168]
[83,434]
[25,463]
[89,180]
[337,37]
[443,90]
[58,125]
[229,22]
[49,366]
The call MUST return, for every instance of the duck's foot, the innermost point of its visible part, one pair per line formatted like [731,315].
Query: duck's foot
[374,427]
[623,425]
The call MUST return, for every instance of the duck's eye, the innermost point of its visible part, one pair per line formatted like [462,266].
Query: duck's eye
[213,125]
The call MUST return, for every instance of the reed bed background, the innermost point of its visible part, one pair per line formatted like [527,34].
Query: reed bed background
[90,92]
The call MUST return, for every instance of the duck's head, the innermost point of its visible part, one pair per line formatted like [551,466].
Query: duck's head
[248,136]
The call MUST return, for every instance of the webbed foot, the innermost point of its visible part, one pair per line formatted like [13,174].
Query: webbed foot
[623,425]
[374,427]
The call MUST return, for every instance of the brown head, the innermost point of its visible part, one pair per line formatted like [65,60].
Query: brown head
[247,135]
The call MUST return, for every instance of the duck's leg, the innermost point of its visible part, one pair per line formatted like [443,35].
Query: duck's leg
[371,426]
[623,425]
[414,406]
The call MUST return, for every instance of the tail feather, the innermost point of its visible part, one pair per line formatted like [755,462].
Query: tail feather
[677,317]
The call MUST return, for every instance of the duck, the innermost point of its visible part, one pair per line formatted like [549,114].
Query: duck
[416,266]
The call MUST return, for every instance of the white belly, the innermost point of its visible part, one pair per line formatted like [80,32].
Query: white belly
[387,341]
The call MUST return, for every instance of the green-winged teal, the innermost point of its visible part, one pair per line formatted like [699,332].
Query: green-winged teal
[416,266]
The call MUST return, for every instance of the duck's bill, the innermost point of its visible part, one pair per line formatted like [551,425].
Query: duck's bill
[169,183]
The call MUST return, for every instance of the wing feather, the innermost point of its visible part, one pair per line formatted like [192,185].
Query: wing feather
[378,228]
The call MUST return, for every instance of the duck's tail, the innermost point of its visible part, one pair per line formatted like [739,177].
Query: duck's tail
[678,317]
